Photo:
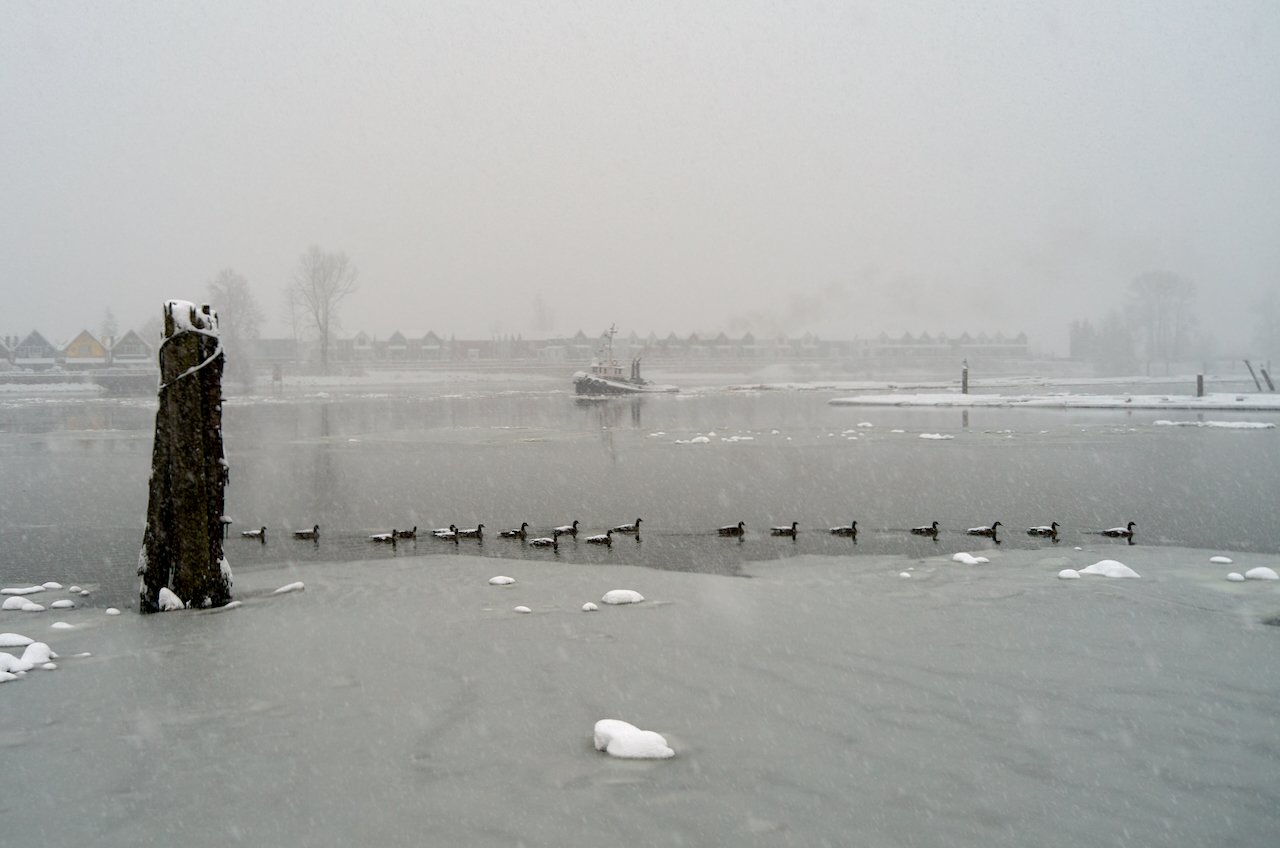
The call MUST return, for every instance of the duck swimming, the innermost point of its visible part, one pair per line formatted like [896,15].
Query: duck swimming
[260,534]
[928,530]
[1049,530]
[1125,532]
[989,532]
[785,531]
[733,529]
[519,533]
[313,533]
[567,530]
[851,530]
[605,538]
[628,528]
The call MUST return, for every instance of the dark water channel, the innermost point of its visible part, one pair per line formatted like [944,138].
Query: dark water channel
[73,478]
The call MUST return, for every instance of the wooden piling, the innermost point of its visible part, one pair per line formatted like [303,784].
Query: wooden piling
[1266,375]
[1199,385]
[964,378]
[182,544]
[1248,365]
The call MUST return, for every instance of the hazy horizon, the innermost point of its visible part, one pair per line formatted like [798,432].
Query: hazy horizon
[668,167]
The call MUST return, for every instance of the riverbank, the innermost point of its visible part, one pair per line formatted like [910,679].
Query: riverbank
[878,699]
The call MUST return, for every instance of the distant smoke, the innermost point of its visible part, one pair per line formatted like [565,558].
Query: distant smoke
[794,314]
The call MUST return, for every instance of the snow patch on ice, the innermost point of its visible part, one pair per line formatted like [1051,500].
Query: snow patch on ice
[969,559]
[589,607]
[1261,573]
[291,587]
[622,596]
[1221,560]
[936,436]
[1110,568]
[14,640]
[63,605]
[168,601]
[112,611]
[1223,425]
[620,739]
[1235,577]
[501,580]
[522,609]
[1068,574]
[16,590]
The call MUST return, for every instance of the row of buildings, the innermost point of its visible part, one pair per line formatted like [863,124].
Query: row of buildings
[83,353]
[87,352]
[580,348]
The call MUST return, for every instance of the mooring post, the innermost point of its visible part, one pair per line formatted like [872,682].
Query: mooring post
[1253,375]
[964,378]
[1199,385]
[182,544]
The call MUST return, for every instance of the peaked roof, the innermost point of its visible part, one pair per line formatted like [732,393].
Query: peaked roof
[131,337]
[34,339]
[86,337]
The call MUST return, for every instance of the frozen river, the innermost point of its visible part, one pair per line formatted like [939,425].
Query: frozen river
[816,691]
[822,701]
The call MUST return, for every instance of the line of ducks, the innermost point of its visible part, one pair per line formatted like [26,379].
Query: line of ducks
[454,534]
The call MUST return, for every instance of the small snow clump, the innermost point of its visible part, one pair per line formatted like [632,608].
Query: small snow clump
[620,739]
[622,596]
[1110,568]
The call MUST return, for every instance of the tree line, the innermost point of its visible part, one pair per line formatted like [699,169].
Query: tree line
[1155,326]
[320,282]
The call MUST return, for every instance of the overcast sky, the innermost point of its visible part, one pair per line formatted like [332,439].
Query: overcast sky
[841,168]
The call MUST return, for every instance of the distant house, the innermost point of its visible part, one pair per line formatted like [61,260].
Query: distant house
[362,347]
[433,347]
[85,351]
[35,352]
[397,347]
[131,350]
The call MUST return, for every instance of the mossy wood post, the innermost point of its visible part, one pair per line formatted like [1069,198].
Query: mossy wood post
[182,545]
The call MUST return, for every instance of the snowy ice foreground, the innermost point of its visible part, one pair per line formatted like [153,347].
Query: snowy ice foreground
[822,701]
[1250,401]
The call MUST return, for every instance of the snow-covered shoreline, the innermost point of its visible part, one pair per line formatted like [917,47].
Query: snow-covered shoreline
[1019,707]
[1211,402]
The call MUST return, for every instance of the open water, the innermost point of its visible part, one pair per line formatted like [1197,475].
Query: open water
[364,461]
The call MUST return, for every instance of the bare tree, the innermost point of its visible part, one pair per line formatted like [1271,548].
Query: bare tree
[110,327]
[1161,309]
[321,282]
[240,319]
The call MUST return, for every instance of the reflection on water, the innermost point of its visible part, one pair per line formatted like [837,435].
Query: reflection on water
[75,478]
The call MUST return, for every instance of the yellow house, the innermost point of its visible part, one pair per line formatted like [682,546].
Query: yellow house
[84,351]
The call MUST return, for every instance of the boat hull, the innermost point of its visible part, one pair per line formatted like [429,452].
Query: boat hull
[588,384]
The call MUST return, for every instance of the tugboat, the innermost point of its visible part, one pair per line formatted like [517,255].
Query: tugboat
[606,376]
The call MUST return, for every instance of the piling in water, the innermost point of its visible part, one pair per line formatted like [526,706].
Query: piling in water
[182,544]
